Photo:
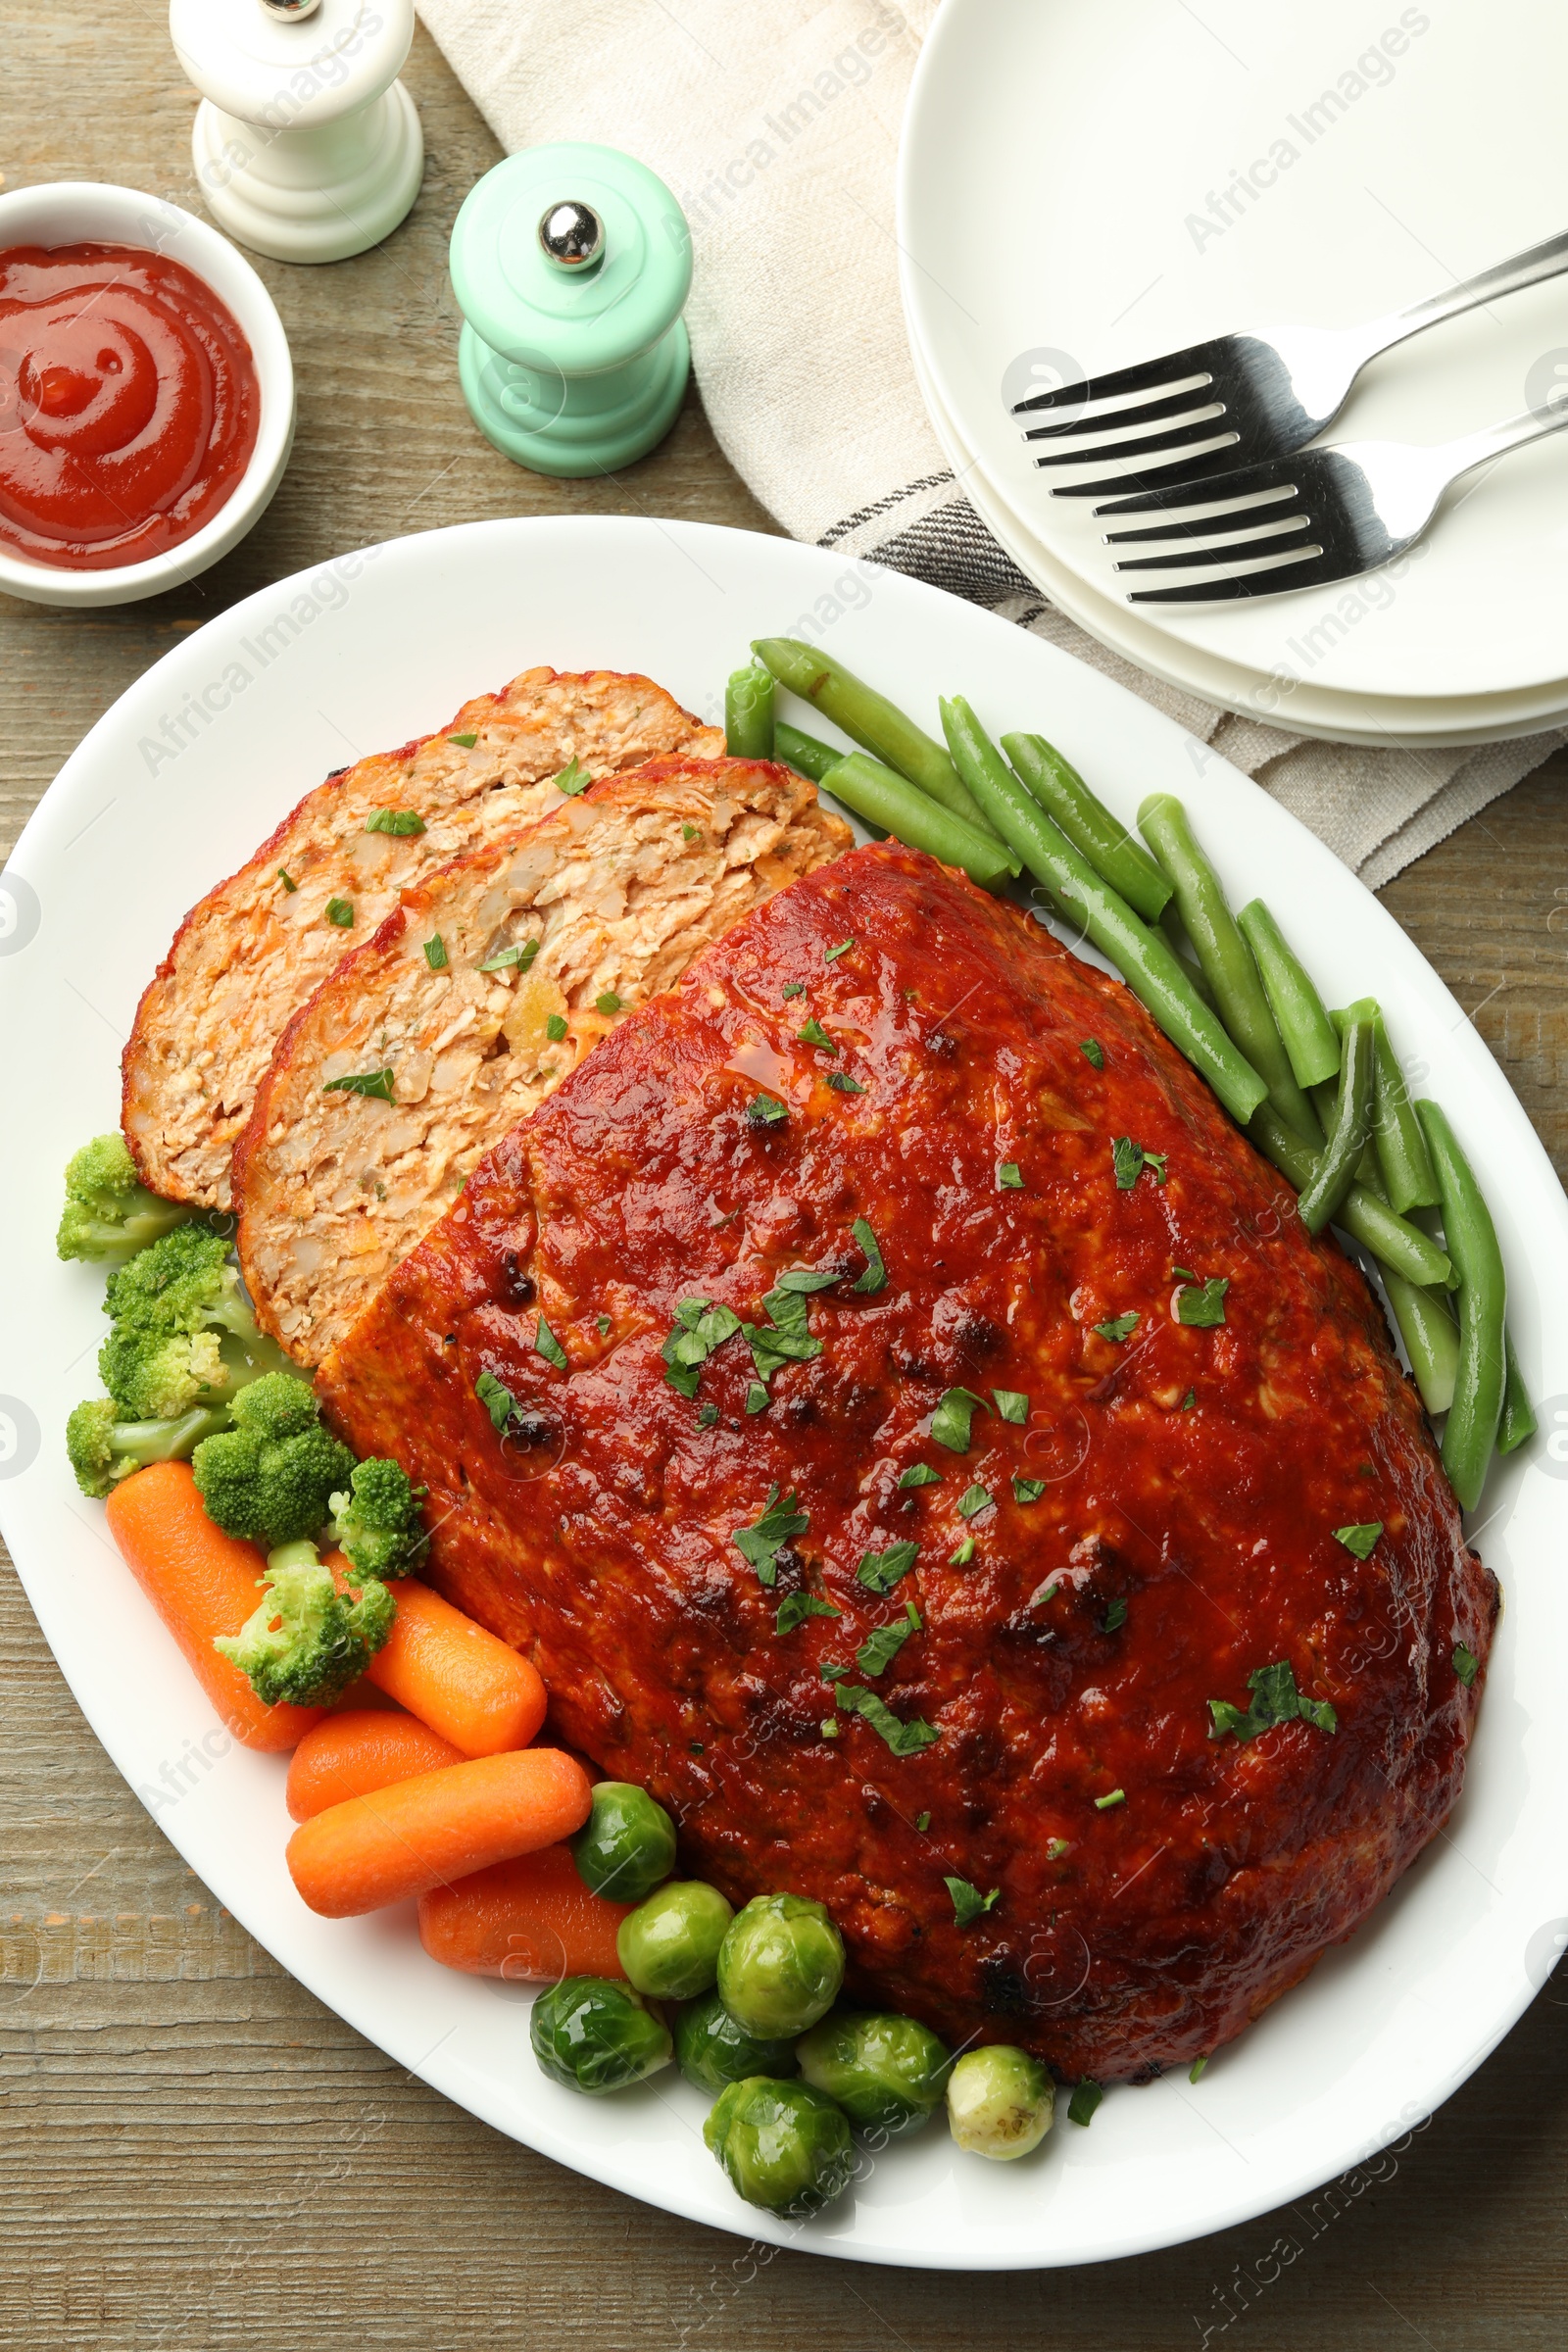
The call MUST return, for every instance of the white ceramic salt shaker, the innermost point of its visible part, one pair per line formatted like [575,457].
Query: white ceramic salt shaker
[307,146]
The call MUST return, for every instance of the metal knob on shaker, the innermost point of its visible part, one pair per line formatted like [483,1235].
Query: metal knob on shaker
[571,265]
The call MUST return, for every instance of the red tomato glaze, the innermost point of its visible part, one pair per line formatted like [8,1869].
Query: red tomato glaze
[128,404]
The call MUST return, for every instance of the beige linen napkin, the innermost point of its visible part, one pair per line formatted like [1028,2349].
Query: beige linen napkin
[776,124]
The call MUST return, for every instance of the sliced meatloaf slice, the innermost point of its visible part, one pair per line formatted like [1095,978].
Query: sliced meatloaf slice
[248,957]
[413,1058]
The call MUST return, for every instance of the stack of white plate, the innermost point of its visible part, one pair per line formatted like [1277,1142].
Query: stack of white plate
[1085,187]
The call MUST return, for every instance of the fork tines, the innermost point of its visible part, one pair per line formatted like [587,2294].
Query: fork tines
[1194,408]
[1257,522]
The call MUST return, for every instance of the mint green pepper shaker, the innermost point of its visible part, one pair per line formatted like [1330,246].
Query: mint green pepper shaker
[571,265]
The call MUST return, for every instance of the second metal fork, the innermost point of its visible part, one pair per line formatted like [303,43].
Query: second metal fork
[1299,521]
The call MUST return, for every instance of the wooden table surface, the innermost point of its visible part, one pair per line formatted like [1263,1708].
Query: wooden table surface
[196,2153]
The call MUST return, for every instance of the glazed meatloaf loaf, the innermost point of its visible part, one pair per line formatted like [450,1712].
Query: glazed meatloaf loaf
[923,1448]
[255,948]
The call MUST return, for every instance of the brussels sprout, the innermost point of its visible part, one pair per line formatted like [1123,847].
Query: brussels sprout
[668,1945]
[711,2049]
[596,2035]
[1000,2102]
[783,2144]
[627,1844]
[885,2072]
[780,1964]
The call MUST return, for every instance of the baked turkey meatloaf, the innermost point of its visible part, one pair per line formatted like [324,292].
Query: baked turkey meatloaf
[1142,1401]
[248,957]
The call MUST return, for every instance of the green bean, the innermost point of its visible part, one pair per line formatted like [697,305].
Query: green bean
[1518,1414]
[749,713]
[1116,857]
[1226,959]
[1142,956]
[883,799]
[1403,1154]
[804,753]
[1309,1035]
[1431,1337]
[1334,1173]
[871,720]
[1381,1231]
[1482,1379]
[1170,922]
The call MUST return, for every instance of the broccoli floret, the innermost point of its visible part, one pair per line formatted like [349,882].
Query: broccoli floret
[308,1641]
[272,1476]
[183,1334]
[377,1523]
[109,1213]
[104,1447]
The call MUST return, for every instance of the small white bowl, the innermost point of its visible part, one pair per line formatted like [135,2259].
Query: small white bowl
[71,212]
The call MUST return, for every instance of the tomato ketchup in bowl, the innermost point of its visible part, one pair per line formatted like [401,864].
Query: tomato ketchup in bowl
[146,395]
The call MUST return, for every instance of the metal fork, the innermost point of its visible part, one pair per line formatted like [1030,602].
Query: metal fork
[1321,514]
[1249,396]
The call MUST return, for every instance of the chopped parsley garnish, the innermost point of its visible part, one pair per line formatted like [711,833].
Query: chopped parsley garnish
[814,1033]
[1130,1160]
[1188,1401]
[974,1501]
[1202,1304]
[403,822]
[1044,1593]
[609,1003]
[1009,1179]
[843,1084]
[497,1400]
[1466,1665]
[950,1423]
[832,1670]
[376,1084]
[1275,1699]
[1028,1489]
[435,954]
[880,1571]
[919,1474]
[707,1416]
[341,913]
[794,1608]
[765,1110]
[1194,2071]
[786,1337]
[522,955]
[830,1727]
[286,878]
[547,1346]
[691,833]
[603,1322]
[1103,1805]
[880,1647]
[1183,1274]
[1115,1618]
[1120,1327]
[794,988]
[756,1397]
[904,1739]
[1093,1050]
[922,1822]
[876,1277]
[778,1524]
[700,1327]
[573,779]
[833,953]
[968,1904]
[963,1555]
[1056,1849]
[1359,1540]
[1086,2097]
[555,1028]
[1012,1404]
[464,743]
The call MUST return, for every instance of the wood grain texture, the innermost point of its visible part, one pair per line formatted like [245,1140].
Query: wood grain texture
[194,2155]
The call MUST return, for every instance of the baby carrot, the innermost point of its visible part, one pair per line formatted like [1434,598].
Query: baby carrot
[202,1583]
[530,1919]
[358,1750]
[399,1841]
[458,1678]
